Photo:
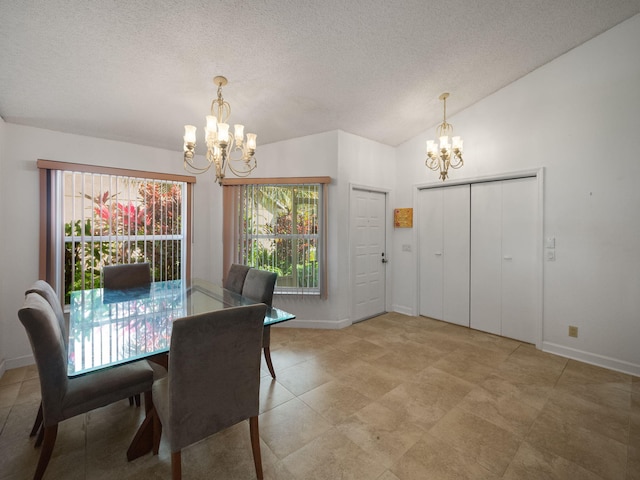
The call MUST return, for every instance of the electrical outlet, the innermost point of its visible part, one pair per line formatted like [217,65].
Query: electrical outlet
[573,331]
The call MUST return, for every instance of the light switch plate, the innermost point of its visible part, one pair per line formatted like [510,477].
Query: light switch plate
[551,255]
[550,242]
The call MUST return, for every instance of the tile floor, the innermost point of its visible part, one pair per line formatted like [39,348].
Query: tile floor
[391,398]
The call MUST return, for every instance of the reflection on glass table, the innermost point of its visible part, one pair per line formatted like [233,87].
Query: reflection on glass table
[118,326]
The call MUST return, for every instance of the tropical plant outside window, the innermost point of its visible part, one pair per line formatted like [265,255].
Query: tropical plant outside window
[280,233]
[111,219]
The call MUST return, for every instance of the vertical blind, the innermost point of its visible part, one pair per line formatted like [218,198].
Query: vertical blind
[111,219]
[100,219]
[279,227]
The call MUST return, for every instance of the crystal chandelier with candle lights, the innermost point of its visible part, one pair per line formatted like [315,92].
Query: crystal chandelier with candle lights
[223,149]
[444,155]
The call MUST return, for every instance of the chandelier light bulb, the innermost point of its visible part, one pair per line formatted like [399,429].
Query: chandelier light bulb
[251,141]
[238,133]
[190,134]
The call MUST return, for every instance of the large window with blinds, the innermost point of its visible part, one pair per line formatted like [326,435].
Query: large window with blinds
[280,227]
[106,216]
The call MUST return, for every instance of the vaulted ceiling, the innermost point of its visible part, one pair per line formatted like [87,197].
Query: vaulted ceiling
[137,71]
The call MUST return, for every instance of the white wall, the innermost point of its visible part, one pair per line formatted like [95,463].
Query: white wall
[3,202]
[368,164]
[579,118]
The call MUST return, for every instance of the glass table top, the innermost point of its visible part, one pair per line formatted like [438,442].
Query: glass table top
[111,327]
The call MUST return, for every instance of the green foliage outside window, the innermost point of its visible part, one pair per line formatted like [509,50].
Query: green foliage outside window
[281,233]
[116,231]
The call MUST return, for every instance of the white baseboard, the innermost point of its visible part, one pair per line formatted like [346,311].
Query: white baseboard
[592,358]
[403,309]
[20,362]
[323,324]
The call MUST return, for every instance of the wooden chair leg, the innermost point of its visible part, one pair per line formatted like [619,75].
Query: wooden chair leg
[267,357]
[50,434]
[176,465]
[130,401]
[38,422]
[255,446]
[157,431]
[137,399]
[40,437]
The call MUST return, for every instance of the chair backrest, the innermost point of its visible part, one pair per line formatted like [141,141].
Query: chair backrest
[235,277]
[259,286]
[214,372]
[47,292]
[126,275]
[48,346]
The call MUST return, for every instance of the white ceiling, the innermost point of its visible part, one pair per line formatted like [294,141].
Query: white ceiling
[138,70]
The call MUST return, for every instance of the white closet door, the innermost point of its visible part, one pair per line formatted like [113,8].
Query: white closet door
[486,257]
[456,241]
[444,253]
[504,286]
[430,235]
[519,259]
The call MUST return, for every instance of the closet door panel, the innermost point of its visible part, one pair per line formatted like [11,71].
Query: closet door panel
[430,235]
[456,233]
[519,259]
[486,253]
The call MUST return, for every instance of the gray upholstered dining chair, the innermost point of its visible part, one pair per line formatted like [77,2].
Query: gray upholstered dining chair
[126,275]
[213,381]
[47,292]
[234,280]
[64,397]
[259,286]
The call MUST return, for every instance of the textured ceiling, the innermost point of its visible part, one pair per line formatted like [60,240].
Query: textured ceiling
[138,70]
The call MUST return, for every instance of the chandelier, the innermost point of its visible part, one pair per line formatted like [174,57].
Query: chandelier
[223,150]
[440,157]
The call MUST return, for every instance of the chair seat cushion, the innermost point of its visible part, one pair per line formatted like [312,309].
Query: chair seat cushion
[103,387]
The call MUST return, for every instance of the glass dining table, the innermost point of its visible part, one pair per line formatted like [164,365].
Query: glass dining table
[113,327]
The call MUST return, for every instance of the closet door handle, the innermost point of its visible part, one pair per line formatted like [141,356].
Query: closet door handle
[508,257]
[437,254]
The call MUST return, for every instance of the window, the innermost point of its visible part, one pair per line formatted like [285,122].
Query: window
[98,216]
[278,225]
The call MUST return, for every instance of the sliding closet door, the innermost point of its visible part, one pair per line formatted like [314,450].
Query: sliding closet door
[456,217]
[444,253]
[430,235]
[519,272]
[486,254]
[504,288]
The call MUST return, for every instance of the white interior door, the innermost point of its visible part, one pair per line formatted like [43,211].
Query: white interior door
[444,253]
[519,259]
[504,284]
[431,251]
[369,247]
[456,218]
[486,256]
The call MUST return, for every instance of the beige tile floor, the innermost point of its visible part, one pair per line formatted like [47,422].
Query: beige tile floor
[391,398]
